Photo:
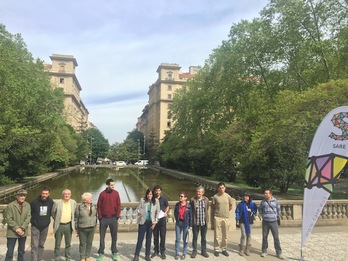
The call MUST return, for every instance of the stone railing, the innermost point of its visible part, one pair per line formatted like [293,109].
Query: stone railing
[335,212]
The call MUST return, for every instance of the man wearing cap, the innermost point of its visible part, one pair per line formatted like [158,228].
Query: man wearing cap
[63,214]
[18,219]
[41,208]
[109,210]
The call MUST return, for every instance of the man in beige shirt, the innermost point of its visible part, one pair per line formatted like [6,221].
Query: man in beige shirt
[222,204]
[63,214]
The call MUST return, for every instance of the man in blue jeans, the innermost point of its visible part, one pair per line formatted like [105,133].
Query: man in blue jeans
[18,219]
[270,210]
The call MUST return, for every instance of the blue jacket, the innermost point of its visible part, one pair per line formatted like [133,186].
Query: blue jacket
[187,215]
[241,211]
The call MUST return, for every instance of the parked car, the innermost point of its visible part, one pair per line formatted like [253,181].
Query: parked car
[121,163]
[141,162]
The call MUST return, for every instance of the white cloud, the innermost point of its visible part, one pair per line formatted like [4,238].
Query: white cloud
[119,45]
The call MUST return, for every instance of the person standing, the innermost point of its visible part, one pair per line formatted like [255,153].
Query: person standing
[222,204]
[85,223]
[270,210]
[147,218]
[183,224]
[159,233]
[109,210]
[200,216]
[18,219]
[64,223]
[41,208]
[245,213]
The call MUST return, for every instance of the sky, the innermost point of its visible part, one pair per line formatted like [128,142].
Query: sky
[119,45]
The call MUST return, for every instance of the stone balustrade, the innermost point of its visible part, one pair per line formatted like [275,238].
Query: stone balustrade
[335,212]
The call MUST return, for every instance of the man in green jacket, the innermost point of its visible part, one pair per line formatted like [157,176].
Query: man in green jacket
[18,219]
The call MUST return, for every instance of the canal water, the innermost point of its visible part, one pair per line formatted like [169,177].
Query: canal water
[130,182]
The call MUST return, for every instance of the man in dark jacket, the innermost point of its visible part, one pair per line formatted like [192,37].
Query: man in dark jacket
[41,208]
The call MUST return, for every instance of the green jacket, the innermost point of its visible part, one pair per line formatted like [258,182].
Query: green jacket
[16,220]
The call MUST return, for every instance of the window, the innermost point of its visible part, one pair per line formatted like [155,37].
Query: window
[169,76]
[61,80]
[61,67]
[169,87]
[169,96]
[169,124]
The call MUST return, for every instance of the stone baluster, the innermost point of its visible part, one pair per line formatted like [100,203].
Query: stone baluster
[170,215]
[329,210]
[289,214]
[323,213]
[334,211]
[127,221]
[338,211]
[134,216]
[283,212]
[344,210]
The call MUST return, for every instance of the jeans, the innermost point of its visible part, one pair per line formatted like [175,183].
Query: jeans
[195,230]
[181,229]
[160,231]
[243,235]
[86,236]
[220,233]
[104,223]
[266,227]
[11,242]
[142,230]
[66,231]
[38,239]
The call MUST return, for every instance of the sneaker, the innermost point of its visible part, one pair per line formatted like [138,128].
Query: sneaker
[205,254]
[193,255]
[114,256]
[100,257]
[225,253]
[280,256]
[264,254]
[182,257]
[216,253]
[163,255]
[154,254]
[176,257]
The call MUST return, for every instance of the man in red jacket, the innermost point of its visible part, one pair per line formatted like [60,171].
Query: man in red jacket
[109,209]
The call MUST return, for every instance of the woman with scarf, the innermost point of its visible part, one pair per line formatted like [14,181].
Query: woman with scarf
[245,213]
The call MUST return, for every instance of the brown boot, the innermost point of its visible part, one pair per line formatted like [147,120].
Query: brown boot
[247,250]
[241,250]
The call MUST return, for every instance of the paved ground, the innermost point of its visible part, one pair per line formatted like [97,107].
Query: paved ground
[325,244]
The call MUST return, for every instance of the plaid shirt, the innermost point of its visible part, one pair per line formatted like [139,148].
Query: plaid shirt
[200,211]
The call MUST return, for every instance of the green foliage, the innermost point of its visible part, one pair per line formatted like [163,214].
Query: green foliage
[253,108]
[99,146]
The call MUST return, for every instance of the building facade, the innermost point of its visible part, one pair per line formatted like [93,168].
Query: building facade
[155,118]
[62,74]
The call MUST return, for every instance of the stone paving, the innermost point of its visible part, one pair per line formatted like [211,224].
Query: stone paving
[325,243]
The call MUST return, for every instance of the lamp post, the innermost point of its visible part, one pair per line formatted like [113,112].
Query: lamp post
[90,158]
[138,149]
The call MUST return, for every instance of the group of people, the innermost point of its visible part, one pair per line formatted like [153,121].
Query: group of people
[191,216]
[68,216]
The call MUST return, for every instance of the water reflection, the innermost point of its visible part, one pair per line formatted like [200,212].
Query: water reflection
[131,183]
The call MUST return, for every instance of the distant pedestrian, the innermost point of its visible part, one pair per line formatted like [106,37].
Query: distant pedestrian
[64,223]
[18,219]
[109,210]
[160,231]
[41,208]
[222,204]
[200,218]
[270,210]
[85,223]
[245,214]
[183,224]
[147,218]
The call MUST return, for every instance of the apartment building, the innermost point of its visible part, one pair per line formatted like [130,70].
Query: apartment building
[155,118]
[62,74]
